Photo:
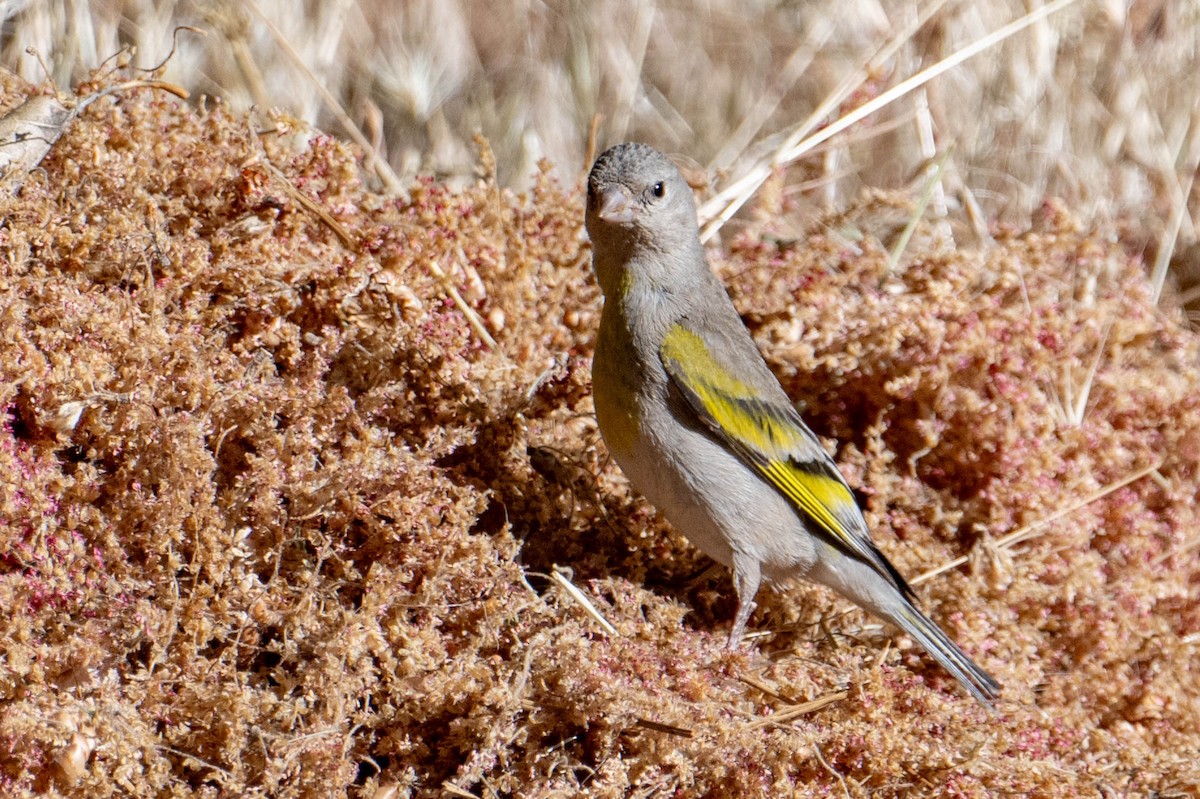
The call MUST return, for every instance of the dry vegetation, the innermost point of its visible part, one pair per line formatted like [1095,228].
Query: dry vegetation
[297,475]
[1092,105]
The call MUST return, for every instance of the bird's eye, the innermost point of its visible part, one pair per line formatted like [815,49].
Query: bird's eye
[659,189]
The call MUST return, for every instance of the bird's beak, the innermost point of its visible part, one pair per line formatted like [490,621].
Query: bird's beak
[617,204]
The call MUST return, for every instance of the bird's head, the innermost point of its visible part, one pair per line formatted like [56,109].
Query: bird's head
[641,214]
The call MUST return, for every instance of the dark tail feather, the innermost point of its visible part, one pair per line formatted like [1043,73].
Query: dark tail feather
[978,682]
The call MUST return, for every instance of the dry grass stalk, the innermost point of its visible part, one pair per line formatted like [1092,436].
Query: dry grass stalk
[1026,532]
[1090,105]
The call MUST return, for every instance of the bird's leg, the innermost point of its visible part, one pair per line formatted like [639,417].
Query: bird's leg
[746,577]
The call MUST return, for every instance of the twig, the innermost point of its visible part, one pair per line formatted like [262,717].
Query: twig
[796,711]
[163,85]
[313,207]
[830,769]
[935,179]
[1167,248]
[473,318]
[1078,401]
[669,729]
[200,760]
[1024,533]
[562,577]
[1182,549]
[454,790]
[174,46]
[764,688]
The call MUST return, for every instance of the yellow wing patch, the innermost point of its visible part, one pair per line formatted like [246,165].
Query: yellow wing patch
[771,438]
[822,497]
[733,405]
[763,435]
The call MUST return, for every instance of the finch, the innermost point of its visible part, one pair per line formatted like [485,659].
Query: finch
[701,427]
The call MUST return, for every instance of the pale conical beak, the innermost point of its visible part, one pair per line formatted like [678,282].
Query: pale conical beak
[616,204]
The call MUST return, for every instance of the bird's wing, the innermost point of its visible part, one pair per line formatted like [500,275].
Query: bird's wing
[770,437]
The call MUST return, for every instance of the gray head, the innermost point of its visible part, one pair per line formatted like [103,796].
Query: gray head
[639,206]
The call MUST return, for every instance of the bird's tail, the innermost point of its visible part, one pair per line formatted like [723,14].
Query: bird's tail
[878,591]
[934,640]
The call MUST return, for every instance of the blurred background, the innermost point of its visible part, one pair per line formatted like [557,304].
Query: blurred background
[1097,104]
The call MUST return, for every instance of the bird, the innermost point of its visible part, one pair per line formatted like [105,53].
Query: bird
[700,426]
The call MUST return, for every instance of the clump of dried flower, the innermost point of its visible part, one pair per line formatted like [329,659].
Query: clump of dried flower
[288,468]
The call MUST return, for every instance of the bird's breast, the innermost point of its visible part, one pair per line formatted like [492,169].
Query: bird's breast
[616,385]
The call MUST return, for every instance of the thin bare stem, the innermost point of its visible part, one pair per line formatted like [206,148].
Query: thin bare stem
[1026,532]
[374,161]
[726,203]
